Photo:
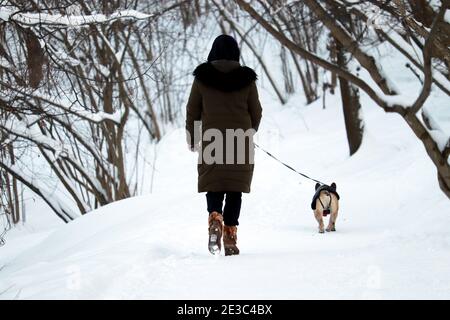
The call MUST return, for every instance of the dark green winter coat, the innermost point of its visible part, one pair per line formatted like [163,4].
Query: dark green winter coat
[223,96]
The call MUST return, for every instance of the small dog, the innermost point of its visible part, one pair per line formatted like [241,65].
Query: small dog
[326,202]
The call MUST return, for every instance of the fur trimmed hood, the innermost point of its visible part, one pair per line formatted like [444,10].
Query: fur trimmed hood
[236,79]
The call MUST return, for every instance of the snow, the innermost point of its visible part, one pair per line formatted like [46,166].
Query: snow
[441,139]
[57,202]
[392,238]
[414,54]
[101,116]
[29,131]
[403,100]
[69,107]
[390,84]
[68,20]
[435,4]
[66,58]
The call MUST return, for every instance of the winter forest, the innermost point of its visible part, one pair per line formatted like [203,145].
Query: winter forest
[97,183]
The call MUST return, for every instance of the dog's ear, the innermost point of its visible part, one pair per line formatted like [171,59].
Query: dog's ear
[333,185]
[317,185]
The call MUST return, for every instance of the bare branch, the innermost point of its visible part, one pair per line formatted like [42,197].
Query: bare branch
[427,68]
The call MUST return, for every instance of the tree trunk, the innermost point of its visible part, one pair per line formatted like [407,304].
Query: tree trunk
[351,106]
[14,197]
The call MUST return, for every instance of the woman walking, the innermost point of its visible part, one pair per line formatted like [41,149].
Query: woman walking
[223,97]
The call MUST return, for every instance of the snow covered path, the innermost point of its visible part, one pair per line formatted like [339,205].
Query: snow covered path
[392,239]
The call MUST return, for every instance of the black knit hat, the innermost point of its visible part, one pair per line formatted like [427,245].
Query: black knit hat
[224,47]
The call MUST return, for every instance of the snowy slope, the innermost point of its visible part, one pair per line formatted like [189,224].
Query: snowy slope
[392,238]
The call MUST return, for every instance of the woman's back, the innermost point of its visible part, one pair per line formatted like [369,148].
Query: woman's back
[224,104]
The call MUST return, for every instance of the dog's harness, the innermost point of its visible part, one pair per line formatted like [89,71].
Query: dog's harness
[329,190]
[327,209]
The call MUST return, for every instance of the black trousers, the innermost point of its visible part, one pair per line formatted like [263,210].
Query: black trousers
[232,207]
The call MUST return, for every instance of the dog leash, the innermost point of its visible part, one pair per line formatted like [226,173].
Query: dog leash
[286,165]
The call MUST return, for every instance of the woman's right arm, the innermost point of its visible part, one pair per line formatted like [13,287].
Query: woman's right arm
[193,116]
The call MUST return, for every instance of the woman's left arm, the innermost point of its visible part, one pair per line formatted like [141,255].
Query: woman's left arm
[254,106]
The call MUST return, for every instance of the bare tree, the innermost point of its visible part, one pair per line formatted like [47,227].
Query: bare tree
[388,99]
[85,85]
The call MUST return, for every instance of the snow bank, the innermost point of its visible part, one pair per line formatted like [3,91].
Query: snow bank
[392,239]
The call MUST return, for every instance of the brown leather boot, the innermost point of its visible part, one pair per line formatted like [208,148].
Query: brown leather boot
[229,240]
[215,229]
